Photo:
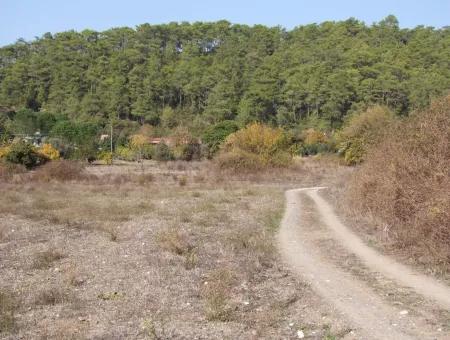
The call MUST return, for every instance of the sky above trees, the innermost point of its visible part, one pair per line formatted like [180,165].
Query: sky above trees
[27,18]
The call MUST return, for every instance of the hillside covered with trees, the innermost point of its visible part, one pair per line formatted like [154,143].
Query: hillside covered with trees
[195,75]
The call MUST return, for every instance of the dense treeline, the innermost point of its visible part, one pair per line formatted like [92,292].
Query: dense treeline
[199,74]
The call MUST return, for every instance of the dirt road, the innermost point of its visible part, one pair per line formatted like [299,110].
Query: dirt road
[380,298]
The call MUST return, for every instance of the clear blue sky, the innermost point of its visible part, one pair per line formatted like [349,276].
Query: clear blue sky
[30,18]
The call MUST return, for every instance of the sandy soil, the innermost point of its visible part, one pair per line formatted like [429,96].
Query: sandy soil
[176,255]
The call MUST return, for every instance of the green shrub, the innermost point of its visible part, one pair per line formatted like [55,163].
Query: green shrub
[314,149]
[361,131]
[148,151]
[87,152]
[215,135]
[353,151]
[125,153]
[163,152]
[25,154]
[188,152]
[65,149]
[314,142]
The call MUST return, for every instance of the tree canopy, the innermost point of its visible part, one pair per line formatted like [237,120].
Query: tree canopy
[199,74]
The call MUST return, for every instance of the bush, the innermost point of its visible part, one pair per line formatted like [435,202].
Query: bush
[255,147]
[148,151]
[48,151]
[405,182]
[185,146]
[4,150]
[87,151]
[215,135]
[239,160]
[188,152]
[314,142]
[163,152]
[60,170]
[361,131]
[314,149]
[106,157]
[139,144]
[125,153]
[65,149]
[25,154]
[312,136]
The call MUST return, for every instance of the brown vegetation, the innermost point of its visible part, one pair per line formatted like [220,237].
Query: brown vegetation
[405,184]
[43,260]
[60,170]
[8,170]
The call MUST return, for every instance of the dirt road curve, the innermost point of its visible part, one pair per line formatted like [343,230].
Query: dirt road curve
[382,299]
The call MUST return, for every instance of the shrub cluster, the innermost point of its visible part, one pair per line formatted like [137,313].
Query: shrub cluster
[255,147]
[125,153]
[106,157]
[48,151]
[314,142]
[405,182]
[361,131]
[25,154]
[216,134]
[163,153]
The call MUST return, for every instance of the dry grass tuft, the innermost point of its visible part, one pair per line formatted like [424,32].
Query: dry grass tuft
[7,311]
[174,241]
[217,295]
[145,178]
[2,233]
[8,170]
[52,295]
[256,248]
[405,183]
[44,259]
[182,181]
[66,329]
[60,170]
[72,277]
[110,230]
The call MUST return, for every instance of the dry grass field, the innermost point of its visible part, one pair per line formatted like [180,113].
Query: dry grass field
[162,251]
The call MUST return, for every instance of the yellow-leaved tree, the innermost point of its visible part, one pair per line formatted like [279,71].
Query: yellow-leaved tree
[4,150]
[257,146]
[48,151]
[138,143]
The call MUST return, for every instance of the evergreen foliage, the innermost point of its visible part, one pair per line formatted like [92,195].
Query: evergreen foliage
[200,74]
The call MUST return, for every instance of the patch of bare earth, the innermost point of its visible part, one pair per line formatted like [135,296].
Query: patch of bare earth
[381,298]
[156,252]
